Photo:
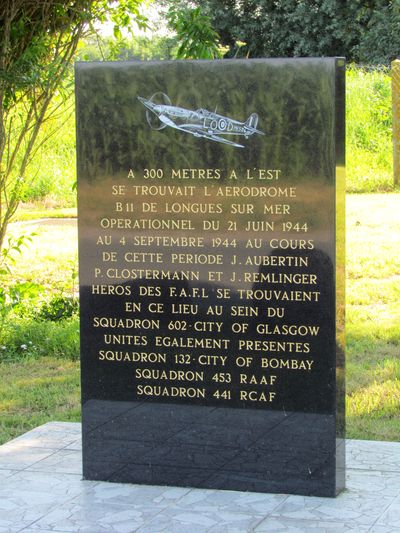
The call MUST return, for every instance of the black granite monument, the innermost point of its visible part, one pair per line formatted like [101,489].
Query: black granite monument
[211,243]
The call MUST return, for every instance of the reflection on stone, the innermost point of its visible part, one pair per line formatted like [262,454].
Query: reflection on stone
[211,447]
[211,275]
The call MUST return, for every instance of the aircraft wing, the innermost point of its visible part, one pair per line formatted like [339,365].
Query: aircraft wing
[167,121]
[222,140]
[199,132]
[187,128]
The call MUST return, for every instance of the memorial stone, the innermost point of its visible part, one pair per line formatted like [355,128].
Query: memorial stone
[211,246]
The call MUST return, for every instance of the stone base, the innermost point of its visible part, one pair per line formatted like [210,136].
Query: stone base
[41,490]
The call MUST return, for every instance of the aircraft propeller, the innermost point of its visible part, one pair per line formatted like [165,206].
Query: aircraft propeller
[152,119]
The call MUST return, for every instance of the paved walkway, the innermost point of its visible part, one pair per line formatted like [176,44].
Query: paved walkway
[41,491]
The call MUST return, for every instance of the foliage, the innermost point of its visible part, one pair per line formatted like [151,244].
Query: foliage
[59,307]
[52,172]
[11,296]
[195,34]
[24,338]
[37,322]
[14,246]
[369,165]
[127,48]
[363,31]
[38,43]
[38,313]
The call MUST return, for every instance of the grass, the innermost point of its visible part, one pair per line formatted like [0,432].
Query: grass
[52,174]
[29,337]
[35,389]
[369,131]
[51,259]
[35,211]
[373,317]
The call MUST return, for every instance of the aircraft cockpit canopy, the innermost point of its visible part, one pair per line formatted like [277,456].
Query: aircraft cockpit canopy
[202,111]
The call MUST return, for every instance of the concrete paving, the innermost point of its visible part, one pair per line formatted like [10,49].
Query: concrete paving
[41,490]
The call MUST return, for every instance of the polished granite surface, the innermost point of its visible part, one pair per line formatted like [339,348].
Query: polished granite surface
[216,361]
[42,490]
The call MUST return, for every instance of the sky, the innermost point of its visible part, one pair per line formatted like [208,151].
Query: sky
[157,25]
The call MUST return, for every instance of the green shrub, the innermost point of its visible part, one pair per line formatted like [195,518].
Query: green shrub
[27,338]
[59,307]
[364,32]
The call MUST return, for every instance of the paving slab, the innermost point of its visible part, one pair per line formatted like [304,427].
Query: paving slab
[42,491]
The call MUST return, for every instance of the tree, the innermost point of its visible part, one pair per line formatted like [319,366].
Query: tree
[194,32]
[38,41]
[137,47]
[362,30]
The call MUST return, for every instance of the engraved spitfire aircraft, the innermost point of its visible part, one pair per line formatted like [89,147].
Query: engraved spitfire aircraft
[200,123]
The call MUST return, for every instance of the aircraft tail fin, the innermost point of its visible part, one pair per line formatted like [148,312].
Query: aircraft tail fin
[252,121]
